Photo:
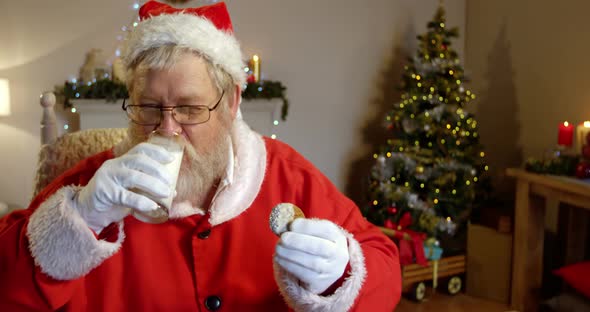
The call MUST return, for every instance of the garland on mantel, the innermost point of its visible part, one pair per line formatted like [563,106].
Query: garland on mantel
[267,89]
[111,91]
[564,165]
[107,89]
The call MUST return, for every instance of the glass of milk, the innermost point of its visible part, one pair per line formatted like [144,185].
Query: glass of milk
[171,142]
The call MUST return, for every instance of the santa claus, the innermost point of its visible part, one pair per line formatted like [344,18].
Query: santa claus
[78,247]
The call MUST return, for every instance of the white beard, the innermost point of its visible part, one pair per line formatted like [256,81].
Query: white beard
[200,172]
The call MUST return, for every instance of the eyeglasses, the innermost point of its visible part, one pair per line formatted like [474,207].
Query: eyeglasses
[151,115]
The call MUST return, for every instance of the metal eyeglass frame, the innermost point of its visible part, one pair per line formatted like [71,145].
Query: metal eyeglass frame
[171,109]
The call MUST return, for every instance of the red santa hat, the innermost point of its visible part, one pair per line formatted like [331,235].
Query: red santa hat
[206,29]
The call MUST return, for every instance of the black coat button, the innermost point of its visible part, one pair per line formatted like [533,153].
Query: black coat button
[213,303]
[204,234]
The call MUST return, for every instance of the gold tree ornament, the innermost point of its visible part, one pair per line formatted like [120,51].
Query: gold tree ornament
[428,222]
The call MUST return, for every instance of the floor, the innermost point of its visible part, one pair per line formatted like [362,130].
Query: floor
[444,303]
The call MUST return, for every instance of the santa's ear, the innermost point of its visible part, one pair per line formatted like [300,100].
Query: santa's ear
[235,101]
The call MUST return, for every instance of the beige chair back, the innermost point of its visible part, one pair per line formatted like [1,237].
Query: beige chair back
[67,150]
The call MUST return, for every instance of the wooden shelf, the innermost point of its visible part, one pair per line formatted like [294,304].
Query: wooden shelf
[532,192]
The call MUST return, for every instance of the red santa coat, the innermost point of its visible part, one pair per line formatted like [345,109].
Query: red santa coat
[50,260]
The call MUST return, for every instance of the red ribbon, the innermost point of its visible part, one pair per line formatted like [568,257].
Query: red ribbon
[412,249]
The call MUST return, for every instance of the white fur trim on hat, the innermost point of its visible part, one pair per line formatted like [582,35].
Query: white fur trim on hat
[300,299]
[191,31]
[60,241]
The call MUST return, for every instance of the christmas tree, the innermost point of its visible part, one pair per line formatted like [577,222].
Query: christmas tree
[428,176]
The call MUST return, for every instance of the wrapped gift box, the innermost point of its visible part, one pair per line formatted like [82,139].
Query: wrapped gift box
[432,252]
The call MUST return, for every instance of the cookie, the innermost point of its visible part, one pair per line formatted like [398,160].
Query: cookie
[281,215]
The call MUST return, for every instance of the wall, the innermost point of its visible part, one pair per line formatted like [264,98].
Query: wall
[529,67]
[340,60]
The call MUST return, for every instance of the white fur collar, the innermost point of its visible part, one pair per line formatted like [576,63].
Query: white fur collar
[242,182]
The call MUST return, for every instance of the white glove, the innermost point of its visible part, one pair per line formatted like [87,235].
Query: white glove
[315,252]
[107,197]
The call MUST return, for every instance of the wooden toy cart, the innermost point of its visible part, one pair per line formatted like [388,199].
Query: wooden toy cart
[448,271]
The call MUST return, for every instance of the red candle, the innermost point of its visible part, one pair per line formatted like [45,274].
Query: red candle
[565,136]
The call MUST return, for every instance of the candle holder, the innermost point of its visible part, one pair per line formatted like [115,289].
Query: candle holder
[559,151]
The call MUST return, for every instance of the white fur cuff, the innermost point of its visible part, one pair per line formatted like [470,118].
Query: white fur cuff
[60,241]
[300,299]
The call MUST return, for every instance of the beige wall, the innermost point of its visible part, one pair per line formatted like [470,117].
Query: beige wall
[341,61]
[529,66]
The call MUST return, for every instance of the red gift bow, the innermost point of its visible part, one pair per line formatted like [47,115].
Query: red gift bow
[217,13]
[408,248]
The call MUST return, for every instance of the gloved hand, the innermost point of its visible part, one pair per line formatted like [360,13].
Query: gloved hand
[107,197]
[314,251]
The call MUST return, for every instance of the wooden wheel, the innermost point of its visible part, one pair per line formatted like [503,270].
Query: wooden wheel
[418,291]
[454,285]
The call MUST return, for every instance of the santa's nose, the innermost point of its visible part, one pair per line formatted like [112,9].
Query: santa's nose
[168,125]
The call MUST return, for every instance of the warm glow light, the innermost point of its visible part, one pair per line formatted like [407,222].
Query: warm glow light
[586,124]
[4,97]
[565,123]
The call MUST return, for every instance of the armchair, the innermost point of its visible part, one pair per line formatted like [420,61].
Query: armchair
[57,154]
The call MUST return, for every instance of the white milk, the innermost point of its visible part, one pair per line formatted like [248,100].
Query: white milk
[172,145]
